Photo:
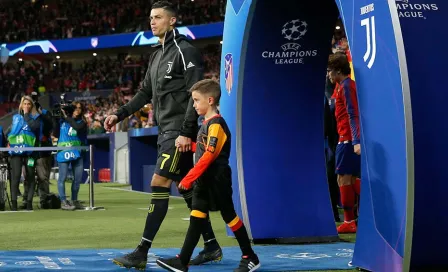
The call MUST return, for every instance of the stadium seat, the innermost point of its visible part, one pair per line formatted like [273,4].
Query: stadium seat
[104,175]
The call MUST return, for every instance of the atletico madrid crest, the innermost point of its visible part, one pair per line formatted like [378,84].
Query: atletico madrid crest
[228,66]
[94,42]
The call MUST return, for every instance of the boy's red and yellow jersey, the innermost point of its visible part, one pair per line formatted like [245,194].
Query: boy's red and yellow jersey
[212,148]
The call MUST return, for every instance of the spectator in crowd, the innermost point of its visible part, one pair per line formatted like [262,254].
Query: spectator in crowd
[120,74]
[25,20]
[96,128]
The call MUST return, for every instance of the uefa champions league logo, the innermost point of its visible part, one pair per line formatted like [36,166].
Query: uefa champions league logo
[415,9]
[294,30]
[292,53]
[45,47]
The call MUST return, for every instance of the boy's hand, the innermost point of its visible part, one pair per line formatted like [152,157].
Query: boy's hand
[357,149]
[184,186]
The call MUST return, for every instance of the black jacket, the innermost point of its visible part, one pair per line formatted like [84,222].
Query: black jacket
[173,69]
[48,122]
[330,126]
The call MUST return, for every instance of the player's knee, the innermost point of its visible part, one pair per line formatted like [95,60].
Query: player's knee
[198,214]
[160,181]
[188,197]
[344,180]
[228,215]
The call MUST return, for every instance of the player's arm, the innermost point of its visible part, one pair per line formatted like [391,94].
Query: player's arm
[216,140]
[351,104]
[140,99]
[193,72]
[327,116]
[79,126]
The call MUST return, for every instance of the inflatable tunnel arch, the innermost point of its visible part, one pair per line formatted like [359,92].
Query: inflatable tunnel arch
[274,58]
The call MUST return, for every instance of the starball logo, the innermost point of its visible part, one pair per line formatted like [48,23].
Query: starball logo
[291,52]
[410,9]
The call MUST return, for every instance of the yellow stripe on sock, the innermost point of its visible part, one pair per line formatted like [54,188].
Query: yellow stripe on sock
[160,195]
[234,222]
[198,214]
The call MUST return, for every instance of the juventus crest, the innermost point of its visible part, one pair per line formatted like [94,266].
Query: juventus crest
[170,66]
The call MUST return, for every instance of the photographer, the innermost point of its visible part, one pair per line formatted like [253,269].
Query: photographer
[24,132]
[44,161]
[3,167]
[72,132]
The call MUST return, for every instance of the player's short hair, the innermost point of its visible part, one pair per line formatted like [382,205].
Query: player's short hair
[339,63]
[208,87]
[168,6]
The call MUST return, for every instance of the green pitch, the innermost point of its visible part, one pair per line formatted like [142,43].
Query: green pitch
[119,226]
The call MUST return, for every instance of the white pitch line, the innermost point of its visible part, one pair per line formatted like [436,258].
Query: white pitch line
[169,208]
[16,211]
[132,191]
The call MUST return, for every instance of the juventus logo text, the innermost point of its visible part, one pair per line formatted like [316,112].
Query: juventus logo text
[151,208]
[369,23]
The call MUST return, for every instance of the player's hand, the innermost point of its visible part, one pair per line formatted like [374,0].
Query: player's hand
[64,113]
[183,143]
[357,149]
[110,122]
[184,186]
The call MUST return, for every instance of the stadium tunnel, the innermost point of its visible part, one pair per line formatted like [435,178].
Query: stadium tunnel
[274,59]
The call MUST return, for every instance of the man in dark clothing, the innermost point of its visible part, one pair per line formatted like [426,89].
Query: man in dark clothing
[44,163]
[173,69]
[3,170]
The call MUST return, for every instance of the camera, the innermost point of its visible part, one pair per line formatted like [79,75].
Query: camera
[35,98]
[63,105]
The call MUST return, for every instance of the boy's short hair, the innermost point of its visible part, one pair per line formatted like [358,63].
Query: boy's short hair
[209,87]
[339,62]
[166,6]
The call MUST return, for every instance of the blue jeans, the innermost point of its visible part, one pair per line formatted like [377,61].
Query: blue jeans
[78,168]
